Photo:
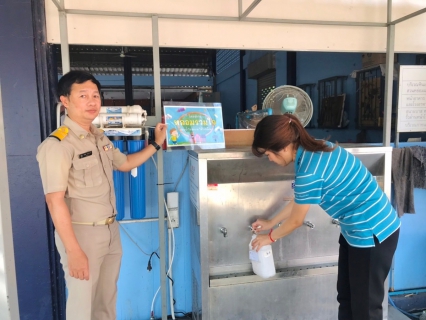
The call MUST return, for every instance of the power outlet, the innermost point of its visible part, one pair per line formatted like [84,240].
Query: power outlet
[173,209]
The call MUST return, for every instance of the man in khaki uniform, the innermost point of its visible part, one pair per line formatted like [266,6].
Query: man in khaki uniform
[76,163]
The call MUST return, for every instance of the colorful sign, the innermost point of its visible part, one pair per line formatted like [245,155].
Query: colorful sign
[194,124]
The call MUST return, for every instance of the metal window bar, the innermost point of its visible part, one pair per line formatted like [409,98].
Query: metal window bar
[331,101]
[309,89]
[265,84]
[370,89]
[225,59]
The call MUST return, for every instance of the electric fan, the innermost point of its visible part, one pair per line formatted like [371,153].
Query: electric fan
[290,99]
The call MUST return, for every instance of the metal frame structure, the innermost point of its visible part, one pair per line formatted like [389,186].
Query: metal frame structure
[242,16]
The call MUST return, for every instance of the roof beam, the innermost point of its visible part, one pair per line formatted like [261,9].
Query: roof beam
[409,16]
[249,9]
[319,22]
[220,18]
[58,5]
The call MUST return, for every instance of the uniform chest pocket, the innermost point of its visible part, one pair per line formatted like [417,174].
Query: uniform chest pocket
[87,172]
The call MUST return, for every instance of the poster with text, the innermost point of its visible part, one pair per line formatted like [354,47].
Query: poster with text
[192,125]
[412,99]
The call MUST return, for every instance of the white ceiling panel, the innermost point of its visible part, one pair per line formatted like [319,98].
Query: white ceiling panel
[324,10]
[180,7]
[410,35]
[270,36]
[176,29]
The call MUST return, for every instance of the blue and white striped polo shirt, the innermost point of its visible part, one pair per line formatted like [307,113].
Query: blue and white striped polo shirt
[346,190]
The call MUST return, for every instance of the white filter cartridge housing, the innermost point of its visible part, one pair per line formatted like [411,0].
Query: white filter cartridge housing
[121,117]
[262,261]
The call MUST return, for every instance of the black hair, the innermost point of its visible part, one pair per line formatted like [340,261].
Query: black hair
[68,79]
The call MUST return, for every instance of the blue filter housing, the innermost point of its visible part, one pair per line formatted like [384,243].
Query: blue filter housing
[118,177]
[137,183]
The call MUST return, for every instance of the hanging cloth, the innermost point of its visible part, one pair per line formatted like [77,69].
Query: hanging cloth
[403,182]
[419,166]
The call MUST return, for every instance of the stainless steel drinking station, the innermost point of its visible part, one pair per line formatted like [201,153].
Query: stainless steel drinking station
[229,189]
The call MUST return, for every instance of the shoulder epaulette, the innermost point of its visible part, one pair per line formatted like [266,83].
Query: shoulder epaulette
[60,133]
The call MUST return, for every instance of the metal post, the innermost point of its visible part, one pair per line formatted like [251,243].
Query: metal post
[160,164]
[387,121]
[156,68]
[9,308]
[128,83]
[65,50]
[387,126]
[243,99]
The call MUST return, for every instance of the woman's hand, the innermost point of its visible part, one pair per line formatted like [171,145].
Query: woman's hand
[262,225]
[260,241]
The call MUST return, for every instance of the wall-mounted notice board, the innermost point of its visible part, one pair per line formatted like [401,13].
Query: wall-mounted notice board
[412,99]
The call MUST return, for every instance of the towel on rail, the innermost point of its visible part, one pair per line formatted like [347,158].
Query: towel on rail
[403,182]
[419,161]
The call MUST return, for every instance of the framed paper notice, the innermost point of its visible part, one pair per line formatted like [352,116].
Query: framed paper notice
[412,99]
[193,125]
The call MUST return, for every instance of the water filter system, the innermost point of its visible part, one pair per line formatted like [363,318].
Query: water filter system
[137,183]
[262,261]
[121,121]
[118,178]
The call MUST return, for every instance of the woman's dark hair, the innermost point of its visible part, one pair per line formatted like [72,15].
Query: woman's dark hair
[276,132]
[68,79]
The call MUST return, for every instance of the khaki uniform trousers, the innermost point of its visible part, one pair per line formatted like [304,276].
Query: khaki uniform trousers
[94,299]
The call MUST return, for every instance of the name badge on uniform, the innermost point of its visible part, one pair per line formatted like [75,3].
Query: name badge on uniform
[107,147]
[84,155]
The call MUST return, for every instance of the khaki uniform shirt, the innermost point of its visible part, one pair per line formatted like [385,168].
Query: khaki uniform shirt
[81,164]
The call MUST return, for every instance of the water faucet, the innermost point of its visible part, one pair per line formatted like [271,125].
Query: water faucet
[309,224]
[224,231]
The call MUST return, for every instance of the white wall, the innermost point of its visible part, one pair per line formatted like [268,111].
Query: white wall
[229,33]
[9,309]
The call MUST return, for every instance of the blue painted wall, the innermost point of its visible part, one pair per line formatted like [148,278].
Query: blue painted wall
[311,67]
[22,130]
[228,84]
[410,257]
[137,286]
[409,261]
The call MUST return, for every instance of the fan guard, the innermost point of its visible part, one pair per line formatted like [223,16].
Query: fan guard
[303,111]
